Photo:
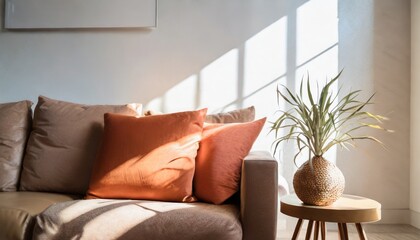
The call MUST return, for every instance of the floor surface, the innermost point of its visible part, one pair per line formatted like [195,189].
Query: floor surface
[373,231]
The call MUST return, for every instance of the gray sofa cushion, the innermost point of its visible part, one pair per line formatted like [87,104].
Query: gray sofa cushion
[138,219]
[235,116]
[63,144]
[15,124]
[17,211]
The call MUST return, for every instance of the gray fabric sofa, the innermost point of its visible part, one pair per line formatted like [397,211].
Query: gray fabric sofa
[45,164]
[38,215]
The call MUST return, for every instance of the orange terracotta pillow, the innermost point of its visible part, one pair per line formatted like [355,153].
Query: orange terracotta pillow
[148,157]
[219,160]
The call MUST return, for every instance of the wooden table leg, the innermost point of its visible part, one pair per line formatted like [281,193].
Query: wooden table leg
[309,230]
[323,230]
[340,231]
[362,234]
[345,232]
[316,230]
[297,229]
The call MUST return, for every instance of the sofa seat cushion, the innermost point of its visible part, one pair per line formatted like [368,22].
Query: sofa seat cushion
[18,209]
[138,219]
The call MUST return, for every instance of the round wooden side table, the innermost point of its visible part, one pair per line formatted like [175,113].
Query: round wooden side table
[347,209]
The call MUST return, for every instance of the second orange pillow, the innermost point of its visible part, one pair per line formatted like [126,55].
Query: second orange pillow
[219,160]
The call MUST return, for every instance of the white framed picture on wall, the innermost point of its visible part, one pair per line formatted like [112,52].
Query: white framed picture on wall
[57,14]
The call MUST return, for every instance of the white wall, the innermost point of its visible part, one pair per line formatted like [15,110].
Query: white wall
[375,53]
[415,115]
[118,66]
[227,54]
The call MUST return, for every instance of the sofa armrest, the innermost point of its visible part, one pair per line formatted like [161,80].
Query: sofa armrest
[259,196]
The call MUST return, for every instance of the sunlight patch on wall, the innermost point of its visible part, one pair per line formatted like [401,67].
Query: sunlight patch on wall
[181,97]
[317,28]
[320,69]
[303,41]
[264,64]
[219,81]
[155,105]
[249,74]
[265,102]
[265,56]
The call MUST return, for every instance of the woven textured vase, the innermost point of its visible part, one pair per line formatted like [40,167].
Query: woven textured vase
[320,186]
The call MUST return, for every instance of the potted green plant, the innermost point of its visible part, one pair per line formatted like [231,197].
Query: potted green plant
[318,124]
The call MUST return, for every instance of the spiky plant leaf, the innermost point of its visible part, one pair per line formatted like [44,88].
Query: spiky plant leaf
[325,121]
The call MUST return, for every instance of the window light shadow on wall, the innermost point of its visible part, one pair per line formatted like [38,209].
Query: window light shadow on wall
[301,42]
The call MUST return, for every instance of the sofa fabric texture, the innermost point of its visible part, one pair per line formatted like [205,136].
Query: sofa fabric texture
[63,144]
[138,219]
[259,196]
[220,158]
[148,158]
[18,211]
[234,116]
[15,125]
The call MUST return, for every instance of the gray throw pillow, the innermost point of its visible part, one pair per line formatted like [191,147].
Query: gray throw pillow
[235,116]
[63,145]
[15,124]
